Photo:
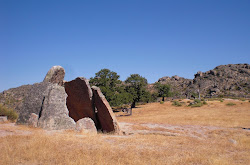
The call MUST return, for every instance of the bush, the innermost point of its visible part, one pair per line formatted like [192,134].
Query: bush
[197,105]
[161,102]
[10,113]
[176,103]
[221,100]
[230,104]
[197,101]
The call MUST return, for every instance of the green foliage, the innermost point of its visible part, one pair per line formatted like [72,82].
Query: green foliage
[176,103]
[136,86]
[163,90]
[161,102]
[230,104]
[10,113]
[112,88]
[197,103]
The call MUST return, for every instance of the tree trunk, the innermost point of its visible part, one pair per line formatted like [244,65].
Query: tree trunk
[163,98]
[133,105]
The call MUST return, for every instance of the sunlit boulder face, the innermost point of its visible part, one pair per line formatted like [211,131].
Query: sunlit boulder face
[55,75]
[79,100]
[48,102]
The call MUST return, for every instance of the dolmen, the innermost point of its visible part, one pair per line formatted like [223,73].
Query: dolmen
[55,104]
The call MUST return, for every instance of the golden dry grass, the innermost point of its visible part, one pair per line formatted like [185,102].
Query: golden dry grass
[68,148]
[215,113]
[222,146]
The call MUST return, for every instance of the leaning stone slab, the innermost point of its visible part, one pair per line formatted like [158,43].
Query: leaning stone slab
[79,100]
[55,75]
[54,113]
[3,119]
[86,125]
[105,114]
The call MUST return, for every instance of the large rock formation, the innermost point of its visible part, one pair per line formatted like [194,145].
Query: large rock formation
[48,102]
[231,80]
[178,84]
[33,102]
[79,100]
[51,106]
[55,75]
[105,114]
[14,97]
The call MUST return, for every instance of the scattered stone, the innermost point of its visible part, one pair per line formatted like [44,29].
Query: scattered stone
[3,119]
[79,100]
[105,115]
[55,75]
[33,120]
[86,125]
[233,141]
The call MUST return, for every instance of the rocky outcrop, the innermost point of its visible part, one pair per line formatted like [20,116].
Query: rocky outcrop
[105,115]
[55,75]
[13,98]
[224,80]
[179,85]
[231,80]
[86,125]
[79,100]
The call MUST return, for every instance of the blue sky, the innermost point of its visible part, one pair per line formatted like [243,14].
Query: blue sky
[153,38]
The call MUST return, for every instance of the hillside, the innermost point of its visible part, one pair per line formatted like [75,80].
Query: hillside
[232,80]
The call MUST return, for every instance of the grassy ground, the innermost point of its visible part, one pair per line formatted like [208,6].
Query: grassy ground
[215,113]
[229,144]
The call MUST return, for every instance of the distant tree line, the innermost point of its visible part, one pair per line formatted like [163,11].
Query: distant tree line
[131,91]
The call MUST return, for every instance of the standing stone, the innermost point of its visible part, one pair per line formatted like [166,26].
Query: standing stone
[79,100]
[55,75]
[33,102]
[33,120]
[54,113]
[105,114]
[86,125]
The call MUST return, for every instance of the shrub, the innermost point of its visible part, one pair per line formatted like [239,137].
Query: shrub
[204,103]
[161,102]
[197,105]
[230,104]
[176,103]
[197,101]
[10,113]
[242,99]
[221,100]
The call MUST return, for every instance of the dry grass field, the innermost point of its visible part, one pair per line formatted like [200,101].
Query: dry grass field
[159,134]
